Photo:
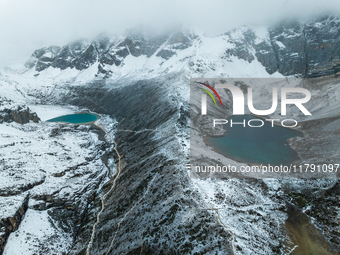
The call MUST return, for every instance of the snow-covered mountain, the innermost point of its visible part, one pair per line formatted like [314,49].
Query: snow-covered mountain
[291,48]
[54,175]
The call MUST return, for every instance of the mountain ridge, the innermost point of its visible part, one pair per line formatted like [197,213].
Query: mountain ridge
[290,48]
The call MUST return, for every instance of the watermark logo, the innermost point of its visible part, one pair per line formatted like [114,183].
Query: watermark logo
[204,97]
[261,128]
[239,104]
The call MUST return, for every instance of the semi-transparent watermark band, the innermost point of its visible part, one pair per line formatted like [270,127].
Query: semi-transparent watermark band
[264,128]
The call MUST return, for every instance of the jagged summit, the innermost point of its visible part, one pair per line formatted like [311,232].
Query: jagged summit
[108,51]
[309,49]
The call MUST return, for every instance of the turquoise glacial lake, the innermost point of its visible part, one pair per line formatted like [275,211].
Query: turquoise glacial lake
[79,118]
[256,145]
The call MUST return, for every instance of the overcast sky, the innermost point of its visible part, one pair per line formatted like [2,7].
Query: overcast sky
[26,25]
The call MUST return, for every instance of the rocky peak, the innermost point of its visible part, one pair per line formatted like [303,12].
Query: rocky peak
[108,51]
[309,49]
[42,56]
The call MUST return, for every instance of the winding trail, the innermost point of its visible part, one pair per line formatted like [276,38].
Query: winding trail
[102,199]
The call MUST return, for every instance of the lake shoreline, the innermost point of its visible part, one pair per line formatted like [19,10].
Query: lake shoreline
[295,162]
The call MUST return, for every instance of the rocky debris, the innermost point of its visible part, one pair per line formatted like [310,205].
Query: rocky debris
[320,200]
[11,224]
[21,115]
[305,238]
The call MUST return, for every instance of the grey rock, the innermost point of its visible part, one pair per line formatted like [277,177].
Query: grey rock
[21,115]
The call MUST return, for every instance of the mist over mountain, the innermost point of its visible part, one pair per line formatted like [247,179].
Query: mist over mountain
[40,24]
[307,49]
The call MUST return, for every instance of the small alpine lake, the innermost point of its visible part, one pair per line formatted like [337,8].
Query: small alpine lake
[256,145]
[79,118]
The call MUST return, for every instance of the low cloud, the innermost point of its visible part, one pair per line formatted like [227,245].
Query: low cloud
[28,25]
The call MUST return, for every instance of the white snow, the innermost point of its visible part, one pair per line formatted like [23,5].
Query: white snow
[46,112]
[36,228]
[10,205]
[48,54]
[261,33]
[280,44]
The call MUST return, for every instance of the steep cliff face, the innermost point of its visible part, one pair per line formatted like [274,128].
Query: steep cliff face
[11,223]
[310,50]
[288,44]
[322,47]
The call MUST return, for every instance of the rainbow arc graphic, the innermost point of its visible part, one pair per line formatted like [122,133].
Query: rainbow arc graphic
[209,93]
